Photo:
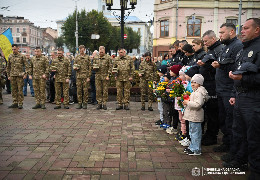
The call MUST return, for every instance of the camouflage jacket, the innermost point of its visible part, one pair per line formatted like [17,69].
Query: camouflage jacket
[104,66]
[84,66]
[16,65]
[125,68]
[2,65]
[38,67]
[148,71]
[62,67]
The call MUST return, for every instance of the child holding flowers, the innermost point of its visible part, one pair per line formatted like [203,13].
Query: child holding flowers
[161,72]
[171,114]
[194,113]
[182,137]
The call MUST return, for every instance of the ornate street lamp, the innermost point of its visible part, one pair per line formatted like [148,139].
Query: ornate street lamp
[123,4]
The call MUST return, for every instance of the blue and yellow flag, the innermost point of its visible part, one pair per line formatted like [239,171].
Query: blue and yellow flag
[6,41]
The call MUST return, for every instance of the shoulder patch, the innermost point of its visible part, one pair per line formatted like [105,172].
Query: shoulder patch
[250,54]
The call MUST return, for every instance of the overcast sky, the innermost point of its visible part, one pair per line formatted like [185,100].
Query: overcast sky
[45,13]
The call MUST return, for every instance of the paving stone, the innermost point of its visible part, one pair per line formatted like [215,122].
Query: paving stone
[92,144]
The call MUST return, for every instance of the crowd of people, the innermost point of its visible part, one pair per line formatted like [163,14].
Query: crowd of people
[220,75]
[223,79]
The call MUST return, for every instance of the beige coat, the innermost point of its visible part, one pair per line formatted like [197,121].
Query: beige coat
[194,111]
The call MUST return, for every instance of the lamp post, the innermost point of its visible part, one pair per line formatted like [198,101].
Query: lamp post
[123,4]
[77,32]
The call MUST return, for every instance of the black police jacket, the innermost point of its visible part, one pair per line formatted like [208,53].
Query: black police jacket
[249,85]
[224,84]
[177,59]
[198,55]
[207,71]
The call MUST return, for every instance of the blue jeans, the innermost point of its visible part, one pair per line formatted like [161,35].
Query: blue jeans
[195,135]
[26,81]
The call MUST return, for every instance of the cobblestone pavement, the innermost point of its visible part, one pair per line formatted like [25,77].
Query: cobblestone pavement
[94,144]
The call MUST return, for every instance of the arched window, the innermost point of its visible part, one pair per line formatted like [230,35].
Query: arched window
[194,27]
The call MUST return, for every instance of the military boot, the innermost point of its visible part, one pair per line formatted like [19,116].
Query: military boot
[43,106]
[37,106]
[85,105]
[119,107]
[57,107]
[105,107]
[20,106]
[150,108]
[99,106]
[66,107]
[127,107]
[79,106]
[143,107]
[13,106]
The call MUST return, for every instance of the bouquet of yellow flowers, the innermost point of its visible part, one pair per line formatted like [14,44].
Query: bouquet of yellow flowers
[160,89]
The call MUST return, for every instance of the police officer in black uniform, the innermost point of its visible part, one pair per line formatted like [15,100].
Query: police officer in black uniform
[208,72]
[224,85]
[246,125]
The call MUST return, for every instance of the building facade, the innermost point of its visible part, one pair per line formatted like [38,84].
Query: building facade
[49,35]
[189,19]
[25,34]
[133,22]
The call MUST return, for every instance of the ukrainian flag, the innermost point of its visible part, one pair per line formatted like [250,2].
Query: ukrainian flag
[6,41]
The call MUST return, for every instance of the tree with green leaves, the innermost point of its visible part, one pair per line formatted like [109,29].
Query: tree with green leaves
[59,42]
[94,22]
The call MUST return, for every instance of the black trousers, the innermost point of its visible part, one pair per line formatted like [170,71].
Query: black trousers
[226,119]
[52,90]
[170,115]
[93,88]
[211,111]
[246,130]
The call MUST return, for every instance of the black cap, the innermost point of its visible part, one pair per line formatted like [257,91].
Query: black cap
[162,69]
[192,71]
[246,67]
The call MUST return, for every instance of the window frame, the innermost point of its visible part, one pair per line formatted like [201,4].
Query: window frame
[232,19]
[164,35]
[194,25]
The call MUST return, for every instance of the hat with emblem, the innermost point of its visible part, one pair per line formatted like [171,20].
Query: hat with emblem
[162,69]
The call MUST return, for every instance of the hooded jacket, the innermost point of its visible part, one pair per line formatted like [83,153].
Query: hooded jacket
[194,111]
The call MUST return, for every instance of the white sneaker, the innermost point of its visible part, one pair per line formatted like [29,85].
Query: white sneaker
[181,141]
[169,130]
[186,142]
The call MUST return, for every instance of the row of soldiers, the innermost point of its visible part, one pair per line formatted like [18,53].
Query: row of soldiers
[39,69]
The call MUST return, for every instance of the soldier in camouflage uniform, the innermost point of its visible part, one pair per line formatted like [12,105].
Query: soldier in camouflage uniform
[82,66]
[125,72]
[61,67]
[147,72]
[39,68]
[102,64]
[2,77]
[16,73]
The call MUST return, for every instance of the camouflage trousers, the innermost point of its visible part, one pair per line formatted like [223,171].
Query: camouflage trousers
[123,92]
[17,89]
[144,87]
[64,87]
[101,91]
[39,90]
[82,89]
